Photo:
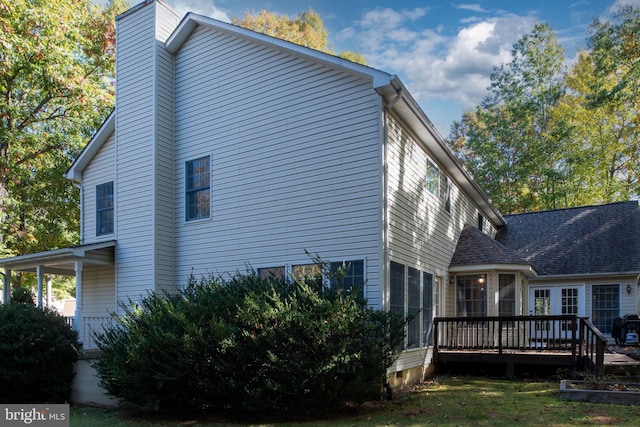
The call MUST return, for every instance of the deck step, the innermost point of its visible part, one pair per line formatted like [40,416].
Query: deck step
[620,364]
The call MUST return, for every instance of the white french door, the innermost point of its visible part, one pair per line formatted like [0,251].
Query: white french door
[556,300]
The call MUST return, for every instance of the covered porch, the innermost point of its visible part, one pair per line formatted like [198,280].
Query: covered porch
[73,261]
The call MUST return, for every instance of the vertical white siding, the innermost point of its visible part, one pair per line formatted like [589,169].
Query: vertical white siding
[101,170]
[144,139]
[295,151]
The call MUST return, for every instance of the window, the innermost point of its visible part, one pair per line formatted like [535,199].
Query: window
[411,294]
[198,184]
[507,295]
[432,180]
[471,295]
[351,275]
[447,195]
[413,307]
[104,209]
[480,222]
[312,273]
[275,273]
[606,306]
[396,299]
[427,308]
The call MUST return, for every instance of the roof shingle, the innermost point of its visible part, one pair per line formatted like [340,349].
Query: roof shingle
[585,240]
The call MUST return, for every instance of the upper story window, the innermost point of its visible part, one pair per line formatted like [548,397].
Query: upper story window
[432,179]
[198,183]
[104,209]
[447,196]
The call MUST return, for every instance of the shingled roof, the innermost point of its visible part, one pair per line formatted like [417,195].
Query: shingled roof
[477,248]
[586,240]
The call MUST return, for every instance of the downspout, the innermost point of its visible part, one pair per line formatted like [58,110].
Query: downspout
[386,259]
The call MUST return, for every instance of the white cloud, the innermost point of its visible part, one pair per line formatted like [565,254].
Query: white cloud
[202,7]
[471,7]
[434,65]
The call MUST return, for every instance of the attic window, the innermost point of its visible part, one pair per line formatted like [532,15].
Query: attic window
[432,180]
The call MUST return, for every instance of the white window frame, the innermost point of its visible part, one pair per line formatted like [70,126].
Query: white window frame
[109,208]
[419,321]
[432,177]
[189,191]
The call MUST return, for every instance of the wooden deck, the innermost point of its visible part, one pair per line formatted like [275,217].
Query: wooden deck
[563,341]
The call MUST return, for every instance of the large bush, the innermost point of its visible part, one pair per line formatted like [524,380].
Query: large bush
[250,344]
[37,353]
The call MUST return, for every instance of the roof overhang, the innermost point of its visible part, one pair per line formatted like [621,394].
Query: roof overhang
[62,261]
[527,270]
[410,112]
[106,130]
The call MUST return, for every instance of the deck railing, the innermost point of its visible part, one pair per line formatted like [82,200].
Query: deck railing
[566,334]
[592,347]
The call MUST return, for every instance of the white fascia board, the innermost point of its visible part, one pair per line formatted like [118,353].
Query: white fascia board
[192,20]
[527,270]
[80,163]
[53,256]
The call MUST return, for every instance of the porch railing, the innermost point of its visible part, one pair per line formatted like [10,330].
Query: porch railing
[565,334]
[90,326]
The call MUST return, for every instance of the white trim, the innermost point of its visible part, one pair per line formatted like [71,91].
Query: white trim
[192,20]
[525,269]
[74,173]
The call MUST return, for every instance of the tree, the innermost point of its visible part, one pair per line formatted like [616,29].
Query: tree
[306,29]
[509,142]
[604,86]
[56,87]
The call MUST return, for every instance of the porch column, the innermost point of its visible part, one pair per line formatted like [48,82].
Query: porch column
[39,273]
[78,320]
[49,289]
[6,290]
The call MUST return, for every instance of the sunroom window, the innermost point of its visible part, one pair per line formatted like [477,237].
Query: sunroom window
[471,293]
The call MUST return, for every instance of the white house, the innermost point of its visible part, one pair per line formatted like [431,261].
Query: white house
[230,148]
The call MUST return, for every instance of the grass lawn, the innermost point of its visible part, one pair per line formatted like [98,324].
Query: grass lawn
[447,401]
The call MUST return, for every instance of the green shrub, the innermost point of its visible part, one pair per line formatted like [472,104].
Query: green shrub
[250,344]
[37,352]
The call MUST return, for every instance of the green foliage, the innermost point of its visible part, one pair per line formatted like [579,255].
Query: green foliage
[546,138]
[249,344]
[56,73]
[509,142]
[37,350]
[306,29]
[22,295]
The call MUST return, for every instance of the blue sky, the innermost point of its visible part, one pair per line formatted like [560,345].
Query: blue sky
[442,50]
